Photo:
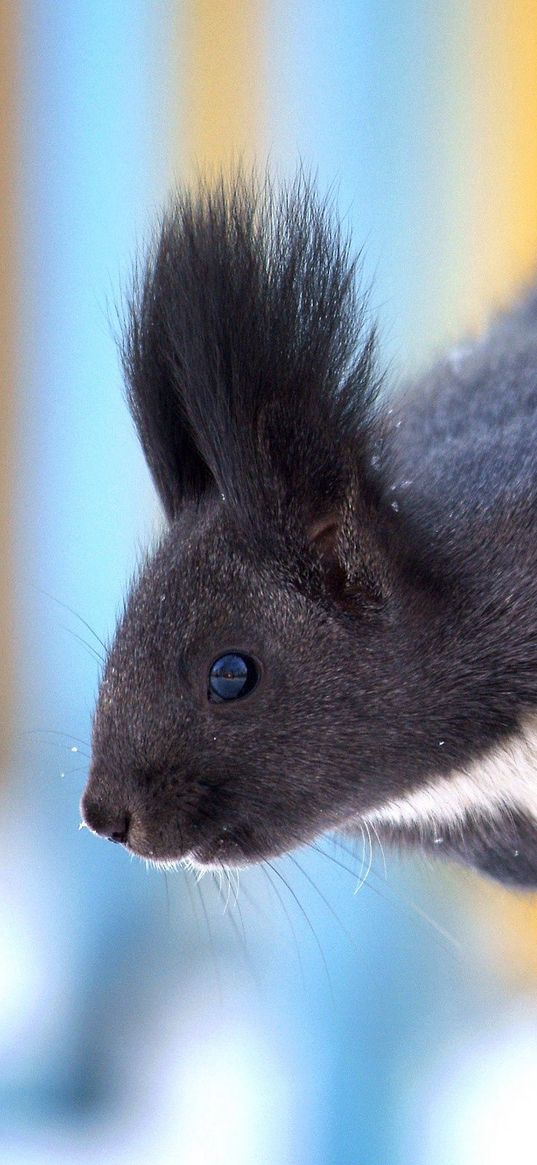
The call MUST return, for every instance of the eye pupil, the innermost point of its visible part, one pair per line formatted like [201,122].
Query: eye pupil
[232,676]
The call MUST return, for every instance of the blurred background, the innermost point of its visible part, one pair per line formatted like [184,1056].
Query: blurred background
[300,1018]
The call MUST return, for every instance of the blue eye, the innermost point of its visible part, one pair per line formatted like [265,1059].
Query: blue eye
[232,676]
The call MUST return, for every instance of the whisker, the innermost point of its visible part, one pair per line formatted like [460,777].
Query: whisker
[395,897]
[75,751]
[165,876]
[219,873]
[227,870]
[54,732]
[239,912]
[72,611]
[211,941]
[370,859]
[88,646]
[440,930]
[325,900]
[255,906]
[338,840]
[237,874]
[362,865]
[240,934]
[228,883]
[289,920]
[309,923]
[381,847]
[193,904]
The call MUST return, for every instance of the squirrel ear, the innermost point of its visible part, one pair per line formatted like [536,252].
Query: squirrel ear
[324,536]
[354,569]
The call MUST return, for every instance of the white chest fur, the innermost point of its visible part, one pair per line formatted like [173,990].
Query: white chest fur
[502,780]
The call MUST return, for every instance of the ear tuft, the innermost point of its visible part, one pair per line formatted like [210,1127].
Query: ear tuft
[249,367]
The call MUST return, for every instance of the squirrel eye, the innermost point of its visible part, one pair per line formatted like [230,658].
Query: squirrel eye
[232,676]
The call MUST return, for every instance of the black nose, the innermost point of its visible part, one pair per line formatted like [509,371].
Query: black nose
[108,823]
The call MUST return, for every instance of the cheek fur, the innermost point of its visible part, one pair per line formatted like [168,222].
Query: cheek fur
[500,782]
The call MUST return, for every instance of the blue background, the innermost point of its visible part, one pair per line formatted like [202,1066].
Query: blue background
[297,1018]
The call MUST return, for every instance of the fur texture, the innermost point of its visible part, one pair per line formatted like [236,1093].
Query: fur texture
[377,561]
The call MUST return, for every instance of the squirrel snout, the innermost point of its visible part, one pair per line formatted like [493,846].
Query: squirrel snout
[109,823]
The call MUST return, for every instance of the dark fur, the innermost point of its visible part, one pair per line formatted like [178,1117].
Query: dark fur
[380,564]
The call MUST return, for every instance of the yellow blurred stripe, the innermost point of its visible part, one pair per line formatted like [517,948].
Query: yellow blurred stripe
[503,190]
[223,89]
[504,173]
[9,94]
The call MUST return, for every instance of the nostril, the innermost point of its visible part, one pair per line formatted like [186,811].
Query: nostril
[121,832]
[107,823]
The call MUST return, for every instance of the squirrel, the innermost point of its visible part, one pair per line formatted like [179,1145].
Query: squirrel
[339,623]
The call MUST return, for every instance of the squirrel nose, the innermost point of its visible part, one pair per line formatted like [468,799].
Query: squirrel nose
[108,823]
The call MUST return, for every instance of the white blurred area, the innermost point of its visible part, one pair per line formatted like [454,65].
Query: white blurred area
[212,1093]
[479,1105]
[207,1028]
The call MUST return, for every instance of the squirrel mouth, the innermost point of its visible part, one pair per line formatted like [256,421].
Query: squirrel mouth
[223,850]
[212,852]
